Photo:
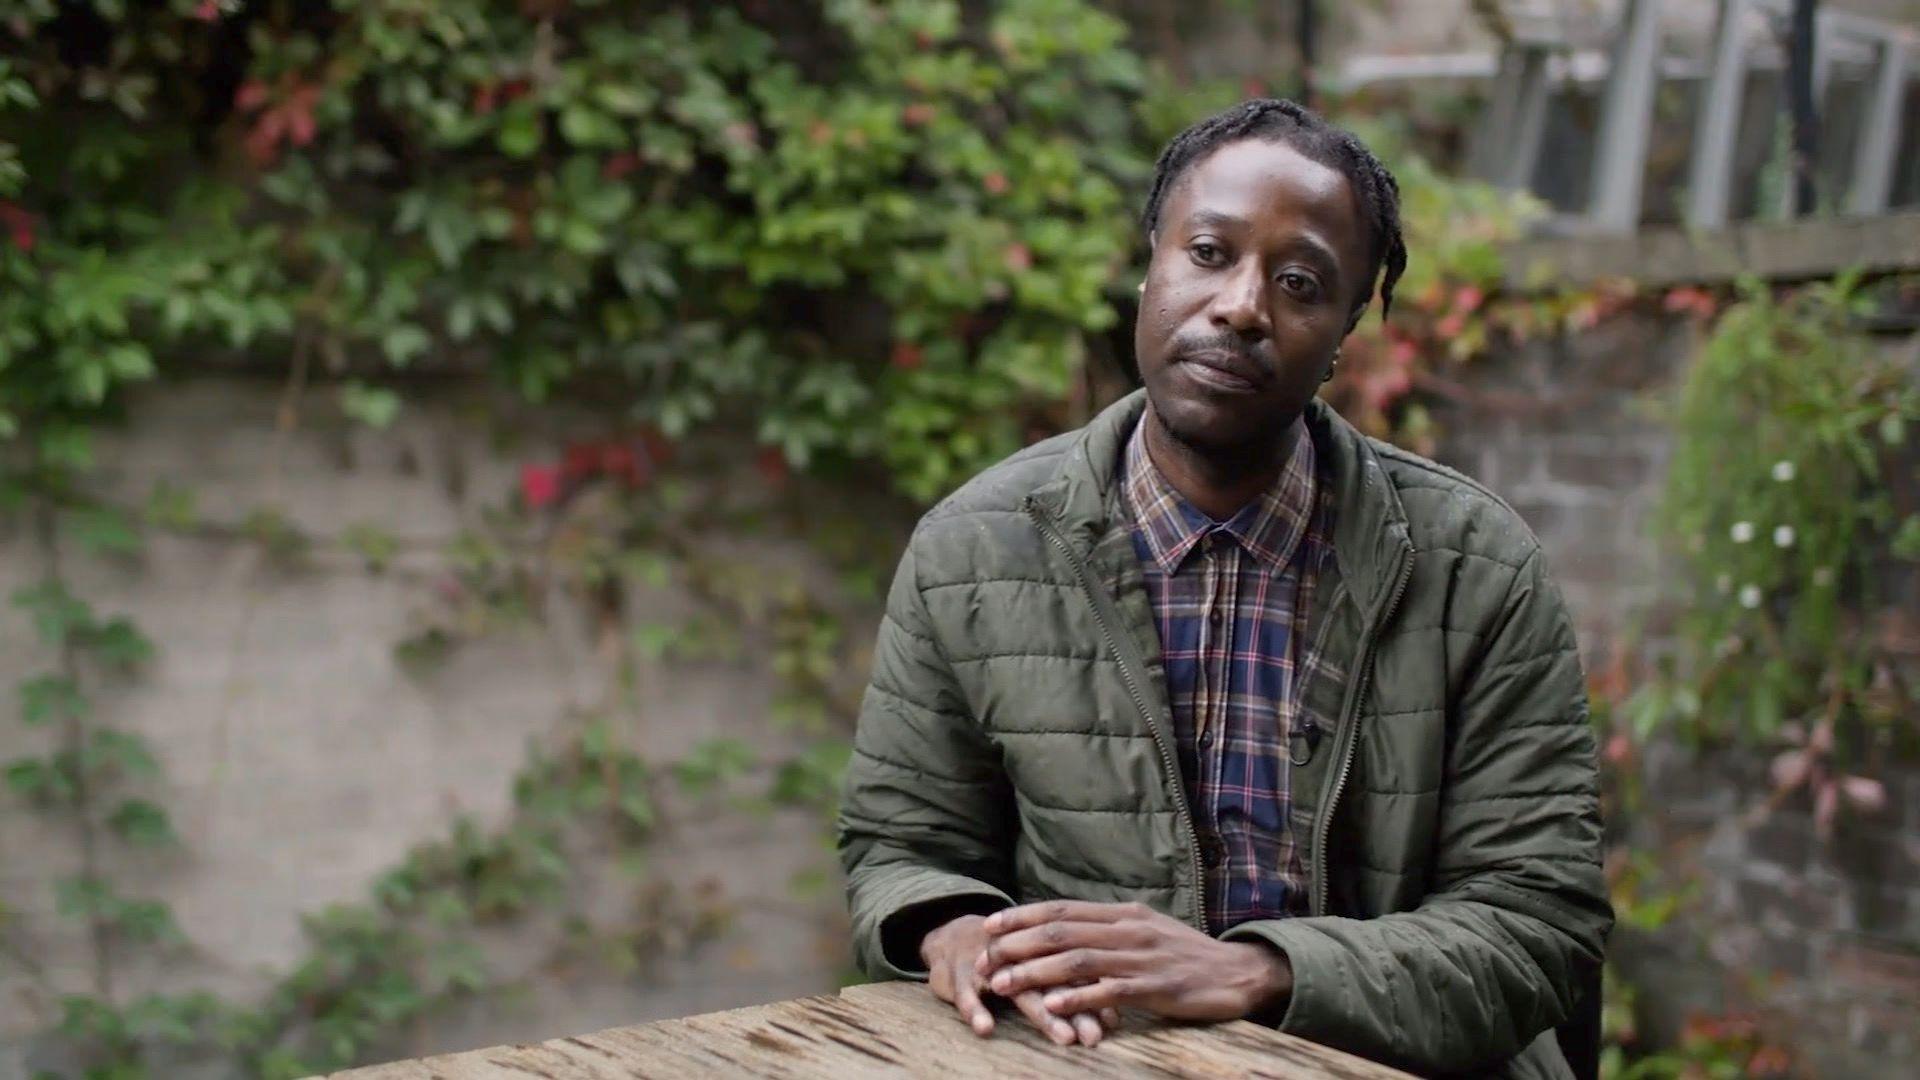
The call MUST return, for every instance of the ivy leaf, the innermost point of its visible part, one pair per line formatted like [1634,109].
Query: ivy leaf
[403,343]
[374,406]
[171,506]
[372,543]
[33,779]
[142,823]
[81,897]
[123,752]
[47,698]
[56,612]
[1906,541]
[66,445]
[146,921]
[119,643]
[521,131]
[711,763]
[103,530]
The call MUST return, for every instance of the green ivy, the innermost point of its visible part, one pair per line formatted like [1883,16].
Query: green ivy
[1778,503]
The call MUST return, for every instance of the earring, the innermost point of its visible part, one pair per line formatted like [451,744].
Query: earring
[1331,366]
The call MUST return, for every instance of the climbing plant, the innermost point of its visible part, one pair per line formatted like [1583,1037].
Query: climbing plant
[873,240]
[1785,502]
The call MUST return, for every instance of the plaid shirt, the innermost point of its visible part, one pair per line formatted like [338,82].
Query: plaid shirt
[1230,600]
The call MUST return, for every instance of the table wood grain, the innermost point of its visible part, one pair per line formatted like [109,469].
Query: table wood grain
[887,1030]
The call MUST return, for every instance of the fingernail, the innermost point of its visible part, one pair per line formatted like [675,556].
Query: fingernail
[1001,981]
[1054,1001]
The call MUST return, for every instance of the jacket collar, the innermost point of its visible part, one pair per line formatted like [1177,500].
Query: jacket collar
[1370,535]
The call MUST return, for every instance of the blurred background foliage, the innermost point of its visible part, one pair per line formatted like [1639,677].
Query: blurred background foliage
[884,242]
[893,234]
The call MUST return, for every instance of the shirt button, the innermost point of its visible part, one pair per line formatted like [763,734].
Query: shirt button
[1206,737]
[1210,853]
[1214,616]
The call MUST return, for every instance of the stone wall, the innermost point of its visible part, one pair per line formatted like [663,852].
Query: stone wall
[302,759]
[1821,937]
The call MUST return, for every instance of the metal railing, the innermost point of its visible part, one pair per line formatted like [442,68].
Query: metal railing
[1544,58]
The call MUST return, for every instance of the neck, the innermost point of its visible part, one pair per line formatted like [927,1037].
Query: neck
[1219,481]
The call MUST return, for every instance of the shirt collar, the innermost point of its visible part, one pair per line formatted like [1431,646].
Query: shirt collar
[1269,528]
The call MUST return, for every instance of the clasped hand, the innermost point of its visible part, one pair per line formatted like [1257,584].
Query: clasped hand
[1069,964]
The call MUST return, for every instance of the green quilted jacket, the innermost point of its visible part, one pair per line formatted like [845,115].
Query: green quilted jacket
[1016,744]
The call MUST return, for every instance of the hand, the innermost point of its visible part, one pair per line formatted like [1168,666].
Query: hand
[951,954]
[1086,956]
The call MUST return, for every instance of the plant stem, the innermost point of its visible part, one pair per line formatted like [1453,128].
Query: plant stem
[74,735]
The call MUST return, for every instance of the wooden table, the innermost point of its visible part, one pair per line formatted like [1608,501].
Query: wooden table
[888,1030]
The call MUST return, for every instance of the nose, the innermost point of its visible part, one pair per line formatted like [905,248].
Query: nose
[1240,305]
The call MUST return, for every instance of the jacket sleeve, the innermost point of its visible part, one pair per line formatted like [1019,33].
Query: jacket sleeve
[925,816]
[1517,914]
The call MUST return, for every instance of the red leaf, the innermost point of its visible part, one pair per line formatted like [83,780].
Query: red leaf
[995,183]
[486,98]
[658,448]
[772,464]
[251,95]
[1451,325]
[208,11]
[1619,749]
[1019,258]
[580,461]
[1468,298]
[539,486]
[19,225]
[907,356]
[917,114]
[620,165]
[300,123]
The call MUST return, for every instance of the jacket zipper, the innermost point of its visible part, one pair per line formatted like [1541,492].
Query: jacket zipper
[1349,717]
[1096,595]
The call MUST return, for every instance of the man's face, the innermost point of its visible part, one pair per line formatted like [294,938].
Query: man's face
[1258,262]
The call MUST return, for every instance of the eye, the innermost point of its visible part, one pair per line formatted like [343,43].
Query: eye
[1300,285]
[1207,253]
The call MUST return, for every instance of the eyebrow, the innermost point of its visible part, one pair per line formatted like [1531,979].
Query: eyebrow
[1214,219]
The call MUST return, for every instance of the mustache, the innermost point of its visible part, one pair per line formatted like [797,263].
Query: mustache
[1231,347]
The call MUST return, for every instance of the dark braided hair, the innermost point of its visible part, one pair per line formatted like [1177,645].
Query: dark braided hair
[1283,121]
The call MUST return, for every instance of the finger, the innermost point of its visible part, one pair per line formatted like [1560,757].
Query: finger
[1069,968]
[1087,1027]
[1053,1027]
[1110,1018]
[1105,994]
[966,999]
[1018,945]
[1019,918]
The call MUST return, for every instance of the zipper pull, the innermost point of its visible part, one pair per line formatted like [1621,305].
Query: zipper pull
[1302,743]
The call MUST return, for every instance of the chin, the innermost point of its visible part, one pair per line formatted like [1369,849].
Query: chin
[1222,428]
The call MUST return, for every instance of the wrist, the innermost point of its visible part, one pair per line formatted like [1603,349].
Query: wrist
[1267,979]
[932,939]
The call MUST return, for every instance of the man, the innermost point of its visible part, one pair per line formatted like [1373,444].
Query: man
[1217,708]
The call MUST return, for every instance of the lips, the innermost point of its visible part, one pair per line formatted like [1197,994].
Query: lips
[1224,371]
